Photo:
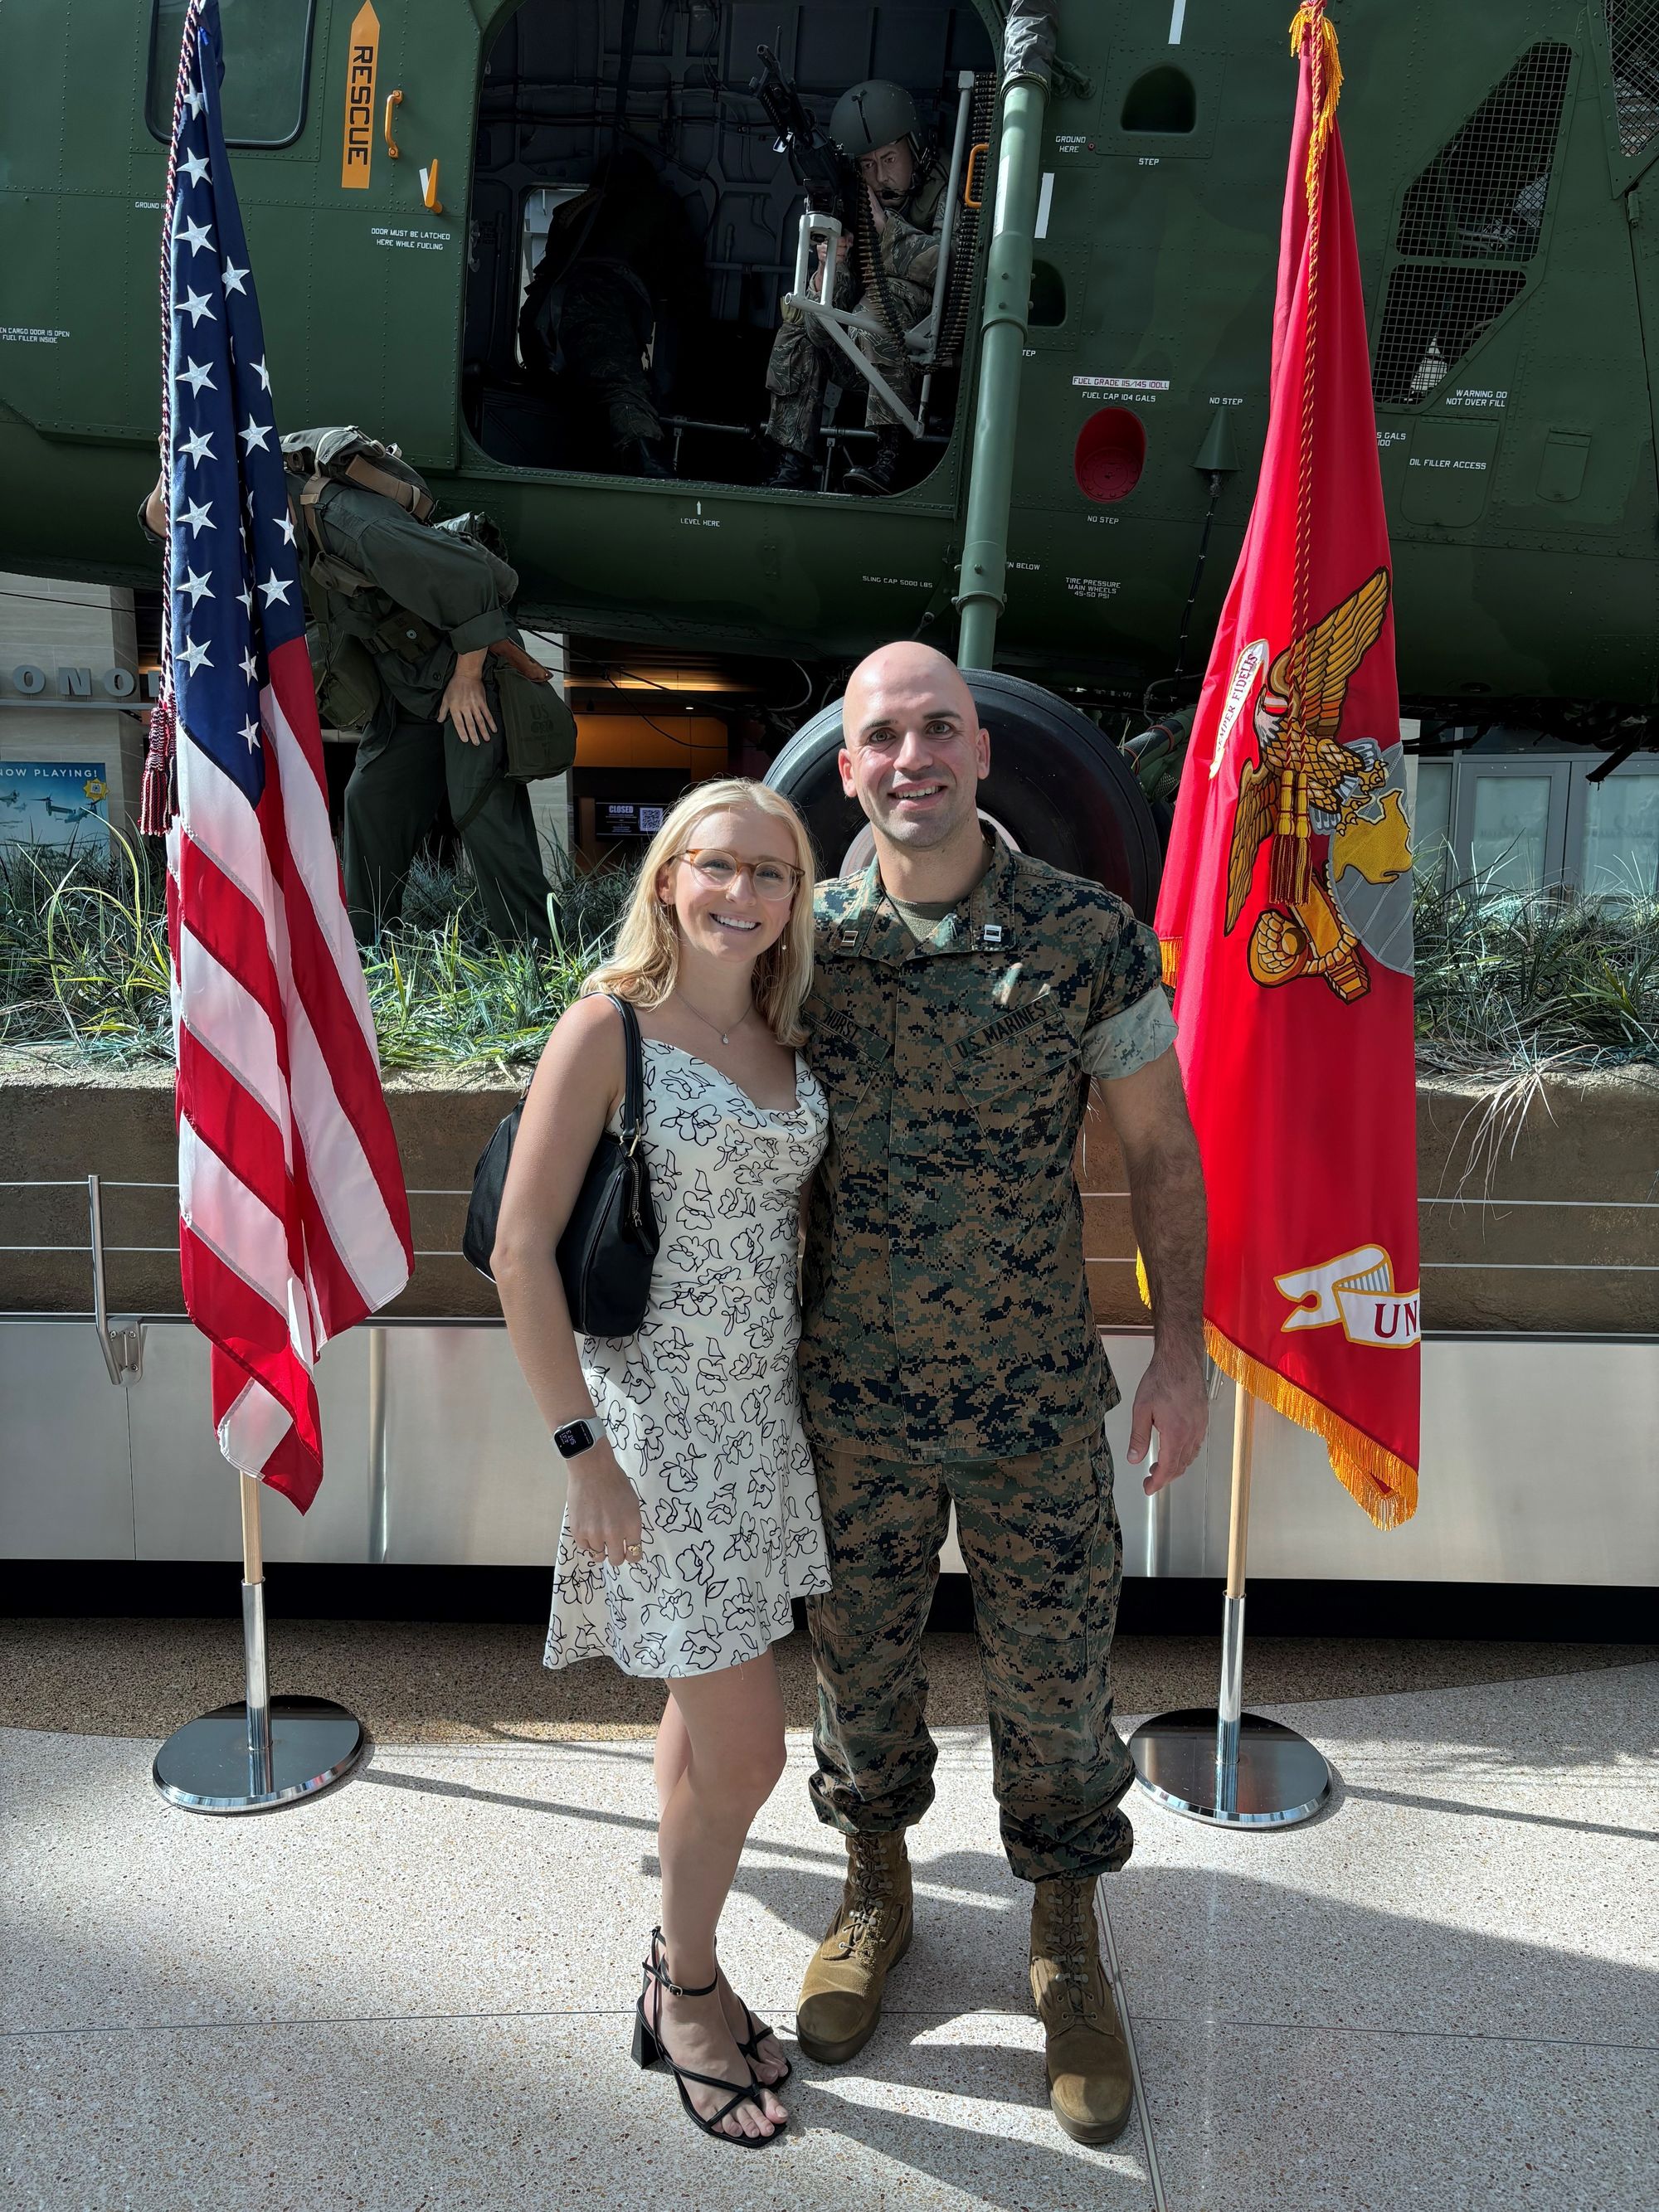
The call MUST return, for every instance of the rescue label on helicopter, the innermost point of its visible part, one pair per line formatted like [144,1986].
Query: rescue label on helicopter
[362,57]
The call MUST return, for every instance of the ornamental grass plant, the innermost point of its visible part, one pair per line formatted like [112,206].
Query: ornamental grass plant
[1507,987]
[84,968]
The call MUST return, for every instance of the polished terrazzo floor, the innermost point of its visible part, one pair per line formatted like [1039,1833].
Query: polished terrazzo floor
[412,1992]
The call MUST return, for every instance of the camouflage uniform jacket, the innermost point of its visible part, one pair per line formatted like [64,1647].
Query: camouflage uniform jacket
[907,245]
[946,1308]
[427,597]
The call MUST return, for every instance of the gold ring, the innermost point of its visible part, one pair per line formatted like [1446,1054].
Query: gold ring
[632,1550]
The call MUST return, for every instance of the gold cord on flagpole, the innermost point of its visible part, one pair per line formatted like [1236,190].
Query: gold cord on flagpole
[253,1558]
[1327,82]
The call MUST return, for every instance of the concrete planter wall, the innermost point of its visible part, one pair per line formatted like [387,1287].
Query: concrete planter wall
[1494,1258]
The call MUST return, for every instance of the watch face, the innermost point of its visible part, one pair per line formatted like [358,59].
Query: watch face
[575,1437]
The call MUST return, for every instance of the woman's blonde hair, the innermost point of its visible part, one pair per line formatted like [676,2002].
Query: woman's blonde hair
[646,962]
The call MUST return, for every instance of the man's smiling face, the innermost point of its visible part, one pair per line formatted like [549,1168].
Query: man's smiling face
[913,751]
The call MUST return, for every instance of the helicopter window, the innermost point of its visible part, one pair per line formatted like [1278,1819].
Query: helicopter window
[1633,39]
[267,66]
[1482,197]
[1110,455]
[1163,99]
[631,137]
[1431,316]
[1048,305]
[1481,201]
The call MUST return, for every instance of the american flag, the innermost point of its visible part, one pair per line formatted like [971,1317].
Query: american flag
[294,1223]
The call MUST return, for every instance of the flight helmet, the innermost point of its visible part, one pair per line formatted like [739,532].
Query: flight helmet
[874,113]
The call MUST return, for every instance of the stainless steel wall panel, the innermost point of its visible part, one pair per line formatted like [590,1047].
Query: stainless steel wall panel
[1539,1465]
[185,1496]
[471,1476]
[66,1470]
[1171,1534]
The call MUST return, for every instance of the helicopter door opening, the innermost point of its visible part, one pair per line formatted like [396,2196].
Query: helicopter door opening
[634,302]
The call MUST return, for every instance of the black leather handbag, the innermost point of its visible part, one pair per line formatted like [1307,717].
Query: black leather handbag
[604,1256]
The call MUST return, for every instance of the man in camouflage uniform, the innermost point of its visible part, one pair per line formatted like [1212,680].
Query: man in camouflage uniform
[886,267]
[963,997]
[431,609]
[427,605]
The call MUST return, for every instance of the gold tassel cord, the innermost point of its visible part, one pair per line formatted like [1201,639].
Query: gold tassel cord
[1376,1478]
[1169,952]
[1327,65]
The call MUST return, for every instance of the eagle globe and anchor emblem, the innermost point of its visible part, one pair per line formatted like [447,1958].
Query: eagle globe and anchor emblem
[1308,782]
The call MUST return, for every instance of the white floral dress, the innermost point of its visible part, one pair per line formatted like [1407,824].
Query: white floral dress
[701,1408]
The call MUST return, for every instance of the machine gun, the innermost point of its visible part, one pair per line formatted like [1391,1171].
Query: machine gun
[820,168]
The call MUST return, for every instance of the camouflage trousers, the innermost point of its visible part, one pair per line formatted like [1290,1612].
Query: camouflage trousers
[1039,1536]
[605,327]
[803,361]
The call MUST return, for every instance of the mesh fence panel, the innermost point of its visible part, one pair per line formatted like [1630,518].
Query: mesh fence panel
[1479,201]
[1482,197]
[1633,38]
[1432,315]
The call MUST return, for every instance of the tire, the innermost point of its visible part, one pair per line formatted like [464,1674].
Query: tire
[1058,787]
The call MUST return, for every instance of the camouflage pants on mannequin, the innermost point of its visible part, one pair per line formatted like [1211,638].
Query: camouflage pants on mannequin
[605,327]
[397,787]
[803,361]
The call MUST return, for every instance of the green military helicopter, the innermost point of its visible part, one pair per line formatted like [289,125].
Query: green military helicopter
[1093,372]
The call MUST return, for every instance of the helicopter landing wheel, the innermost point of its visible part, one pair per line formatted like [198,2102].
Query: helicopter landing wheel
[1057,788]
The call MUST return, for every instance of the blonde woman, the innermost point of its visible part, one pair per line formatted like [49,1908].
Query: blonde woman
[692,1518]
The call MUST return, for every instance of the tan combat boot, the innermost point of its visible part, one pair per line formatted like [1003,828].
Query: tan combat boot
[1089,2086]
[840,1995]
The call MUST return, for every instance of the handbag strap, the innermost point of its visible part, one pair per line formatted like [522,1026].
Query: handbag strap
[633,1112]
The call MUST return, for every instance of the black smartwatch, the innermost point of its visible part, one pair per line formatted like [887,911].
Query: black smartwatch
[575,1437]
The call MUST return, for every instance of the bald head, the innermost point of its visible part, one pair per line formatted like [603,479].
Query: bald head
[906,670]
[913,751]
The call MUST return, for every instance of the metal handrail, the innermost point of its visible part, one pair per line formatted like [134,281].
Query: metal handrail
[122,1348]
[111,1182]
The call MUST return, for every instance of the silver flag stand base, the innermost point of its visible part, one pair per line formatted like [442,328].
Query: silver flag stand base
[260,1751]
[206,1767]
[1278,1778]
[1231,1768]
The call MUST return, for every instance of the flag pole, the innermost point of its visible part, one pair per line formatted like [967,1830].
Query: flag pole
[253,1644]
[1219,1764]
[1230,1703]
[261,1750]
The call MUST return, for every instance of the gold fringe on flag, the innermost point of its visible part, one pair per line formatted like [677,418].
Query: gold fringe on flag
[1141,1283]
[1385,1485]
[1169,953]
[1327,82]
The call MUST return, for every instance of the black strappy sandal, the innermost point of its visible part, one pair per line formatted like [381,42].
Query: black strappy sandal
[648,2048]
[758,2031]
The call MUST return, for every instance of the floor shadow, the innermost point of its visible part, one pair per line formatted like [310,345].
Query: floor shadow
[1503,1812]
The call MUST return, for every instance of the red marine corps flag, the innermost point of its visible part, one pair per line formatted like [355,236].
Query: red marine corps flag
[294,1222]
[1285,907]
